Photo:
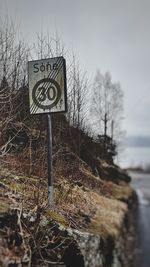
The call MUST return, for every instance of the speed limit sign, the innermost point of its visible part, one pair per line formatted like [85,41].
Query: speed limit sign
[47,85]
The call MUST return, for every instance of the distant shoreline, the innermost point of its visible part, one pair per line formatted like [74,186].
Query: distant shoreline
[138,170]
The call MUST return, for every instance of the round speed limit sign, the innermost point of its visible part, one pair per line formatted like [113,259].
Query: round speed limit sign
[46,94]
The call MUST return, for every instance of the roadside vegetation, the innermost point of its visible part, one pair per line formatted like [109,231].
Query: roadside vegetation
[91,193]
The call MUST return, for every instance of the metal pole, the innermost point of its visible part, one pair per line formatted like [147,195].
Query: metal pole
[49,157]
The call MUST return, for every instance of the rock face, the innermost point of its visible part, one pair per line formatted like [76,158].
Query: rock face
[96,251]
[82,249]
[92,250]
[89,248]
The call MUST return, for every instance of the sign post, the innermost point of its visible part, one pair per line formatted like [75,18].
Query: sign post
[47,95]
[49,161]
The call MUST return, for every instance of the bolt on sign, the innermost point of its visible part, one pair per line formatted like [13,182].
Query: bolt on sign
[47,85]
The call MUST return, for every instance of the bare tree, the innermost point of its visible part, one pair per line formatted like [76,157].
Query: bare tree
[106,106]
[77,93]
[13,75]
[47,47]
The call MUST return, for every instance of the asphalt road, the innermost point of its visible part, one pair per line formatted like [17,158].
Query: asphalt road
[141,183]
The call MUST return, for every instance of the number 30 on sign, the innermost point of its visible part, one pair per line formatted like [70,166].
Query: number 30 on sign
[47,85]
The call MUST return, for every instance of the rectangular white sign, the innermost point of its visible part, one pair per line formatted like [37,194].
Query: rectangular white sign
[47,85]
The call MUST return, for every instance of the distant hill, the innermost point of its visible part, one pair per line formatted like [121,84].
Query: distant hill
[137,141]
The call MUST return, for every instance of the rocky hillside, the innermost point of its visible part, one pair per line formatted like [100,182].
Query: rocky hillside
[87,225]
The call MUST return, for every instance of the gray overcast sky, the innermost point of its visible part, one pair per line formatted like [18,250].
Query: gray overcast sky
[110,35]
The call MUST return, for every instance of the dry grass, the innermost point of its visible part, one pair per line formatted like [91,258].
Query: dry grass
[109,216]
[75,206]
[82,201]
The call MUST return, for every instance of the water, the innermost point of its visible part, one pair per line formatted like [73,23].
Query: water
[134,156]
[141,183]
